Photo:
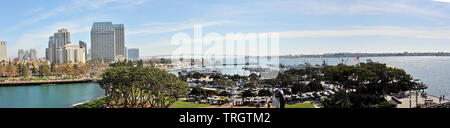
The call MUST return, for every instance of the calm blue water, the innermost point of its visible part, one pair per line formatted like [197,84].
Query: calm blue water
[433,71]
[51,96]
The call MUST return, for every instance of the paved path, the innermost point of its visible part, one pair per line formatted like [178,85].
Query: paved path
[420,100]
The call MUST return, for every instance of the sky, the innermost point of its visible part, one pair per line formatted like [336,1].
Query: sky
[304,26]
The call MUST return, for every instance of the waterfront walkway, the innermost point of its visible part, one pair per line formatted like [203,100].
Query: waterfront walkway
[423,100]
[45,82]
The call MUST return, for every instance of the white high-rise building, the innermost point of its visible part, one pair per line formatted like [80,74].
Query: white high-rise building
[74,54]
[119,37]
[33,54]
[84,45]
[3,55]
[108,41]
[21,54]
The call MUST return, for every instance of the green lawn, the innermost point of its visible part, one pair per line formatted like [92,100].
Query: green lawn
[92,104]
[300,105]
[185,104]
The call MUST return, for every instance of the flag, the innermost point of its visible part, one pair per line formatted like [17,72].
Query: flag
[357,59]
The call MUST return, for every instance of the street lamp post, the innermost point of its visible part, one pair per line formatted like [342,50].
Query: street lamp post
[410,98]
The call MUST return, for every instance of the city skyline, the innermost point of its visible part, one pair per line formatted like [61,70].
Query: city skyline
[332,27]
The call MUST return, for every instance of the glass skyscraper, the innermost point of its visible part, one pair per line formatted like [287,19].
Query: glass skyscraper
[133,53]
[108,41]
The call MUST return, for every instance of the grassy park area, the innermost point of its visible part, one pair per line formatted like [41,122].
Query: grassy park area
[300,105]
[92,104]
[185,104]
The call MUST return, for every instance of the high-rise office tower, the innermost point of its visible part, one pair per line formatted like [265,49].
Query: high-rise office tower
[133,53]
[61,39]
[108,41]
[119,33]
[59,55]
[51,49]
[21,54]
[56,45]
[84,45]
[3,50]
[33,54]
[89,54]
[46,54]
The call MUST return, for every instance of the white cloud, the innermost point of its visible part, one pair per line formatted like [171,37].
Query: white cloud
[419,8]
[79,5]
[448,1]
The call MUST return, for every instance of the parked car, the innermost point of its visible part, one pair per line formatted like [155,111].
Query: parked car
[330,92]
[324,93]
[304,96]
[335,90]
[317,95]
[255,100]
[263,99]
[310,95]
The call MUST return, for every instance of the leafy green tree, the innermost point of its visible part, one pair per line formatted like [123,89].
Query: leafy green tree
[315,86]
[300,88]
[250,84]
[140,63]
[34,70]
[141,87]
[356,100]
[69,69]
[254,77]
[364,85]
[287,92]
[224,93]
[11,70]
[264,92]
[271,82]
[284,80]
[247,93]
[44,70]
[23,70]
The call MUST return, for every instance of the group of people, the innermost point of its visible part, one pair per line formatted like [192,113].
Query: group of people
[441,98]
